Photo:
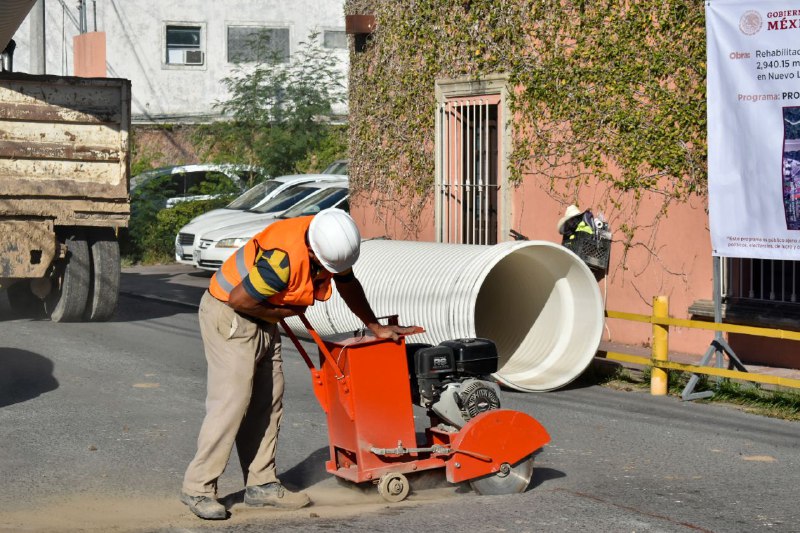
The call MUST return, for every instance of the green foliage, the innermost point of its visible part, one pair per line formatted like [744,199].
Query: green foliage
[152,228]
[619,84]
[775,403]
[280,120]
[153,194]
[594,86]
[331,147]
[141,158]
[280,111]
[150,237]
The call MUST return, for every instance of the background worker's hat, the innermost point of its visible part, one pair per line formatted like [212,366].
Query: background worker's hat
[572,211]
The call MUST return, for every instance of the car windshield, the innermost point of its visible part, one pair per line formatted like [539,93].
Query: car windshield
[285,199]
[313,205]
[254,195]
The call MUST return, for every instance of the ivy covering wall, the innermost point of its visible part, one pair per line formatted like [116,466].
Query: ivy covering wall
[600,86]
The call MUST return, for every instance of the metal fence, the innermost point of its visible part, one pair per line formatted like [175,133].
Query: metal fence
[760,280]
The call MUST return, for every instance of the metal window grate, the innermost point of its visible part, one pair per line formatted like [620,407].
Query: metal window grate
[760,280]
[467,184]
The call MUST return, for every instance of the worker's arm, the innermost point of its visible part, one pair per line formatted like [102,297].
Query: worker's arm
[241,301]
[268,277]
[353,295]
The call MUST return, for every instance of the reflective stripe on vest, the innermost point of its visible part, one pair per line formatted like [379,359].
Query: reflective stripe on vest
[286,235]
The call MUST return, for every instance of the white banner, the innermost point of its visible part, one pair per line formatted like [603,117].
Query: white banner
[754,128]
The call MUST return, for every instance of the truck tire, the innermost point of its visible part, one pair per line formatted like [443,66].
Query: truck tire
[23,302]
[104,272]
[67,301]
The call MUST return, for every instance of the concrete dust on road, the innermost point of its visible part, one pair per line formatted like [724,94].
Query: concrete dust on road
[331,499]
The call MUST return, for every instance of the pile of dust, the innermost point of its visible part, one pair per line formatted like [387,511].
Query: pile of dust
[332,498]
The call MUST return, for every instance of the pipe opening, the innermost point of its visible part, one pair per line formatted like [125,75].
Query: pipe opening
[542,308]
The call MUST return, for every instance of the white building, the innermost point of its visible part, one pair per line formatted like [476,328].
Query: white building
[177,52]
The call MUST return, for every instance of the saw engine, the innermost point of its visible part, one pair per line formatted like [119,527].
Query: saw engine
[449,380]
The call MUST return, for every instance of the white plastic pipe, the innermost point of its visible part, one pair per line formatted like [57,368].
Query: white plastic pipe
[536,300]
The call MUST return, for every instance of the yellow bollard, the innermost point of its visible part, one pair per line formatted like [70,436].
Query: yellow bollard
[658,377]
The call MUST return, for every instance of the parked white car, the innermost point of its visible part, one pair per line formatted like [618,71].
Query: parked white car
[216,246]
[256,197]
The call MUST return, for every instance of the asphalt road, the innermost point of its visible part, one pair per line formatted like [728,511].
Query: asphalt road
[98,422]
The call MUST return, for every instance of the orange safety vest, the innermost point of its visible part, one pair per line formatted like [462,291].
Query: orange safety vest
[288,235]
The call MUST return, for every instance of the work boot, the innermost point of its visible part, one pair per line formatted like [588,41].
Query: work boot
[275,495]
[205,507]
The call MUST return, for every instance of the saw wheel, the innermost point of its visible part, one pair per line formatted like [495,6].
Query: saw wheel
[393,487]
[508,480]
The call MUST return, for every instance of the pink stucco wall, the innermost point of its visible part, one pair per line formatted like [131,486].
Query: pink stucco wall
[380,216]
[669,255]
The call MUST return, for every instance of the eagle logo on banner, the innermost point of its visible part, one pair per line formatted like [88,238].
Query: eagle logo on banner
[750,23]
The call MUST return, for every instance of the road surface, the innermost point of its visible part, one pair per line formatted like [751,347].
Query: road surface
[98,422]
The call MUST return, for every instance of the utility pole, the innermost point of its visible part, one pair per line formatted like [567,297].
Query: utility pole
[38,59]
[84,24]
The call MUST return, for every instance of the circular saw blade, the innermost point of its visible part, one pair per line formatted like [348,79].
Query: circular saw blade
[510,479]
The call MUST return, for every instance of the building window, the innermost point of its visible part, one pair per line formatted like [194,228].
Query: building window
[336,39]
[771,281]
[248,44]
[470,176]
[184,45]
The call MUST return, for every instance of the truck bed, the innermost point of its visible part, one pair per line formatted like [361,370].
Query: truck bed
[64,149]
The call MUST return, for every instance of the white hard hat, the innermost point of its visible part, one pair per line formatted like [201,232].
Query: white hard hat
[335,239]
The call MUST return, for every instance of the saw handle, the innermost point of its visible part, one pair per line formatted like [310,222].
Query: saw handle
[319,342]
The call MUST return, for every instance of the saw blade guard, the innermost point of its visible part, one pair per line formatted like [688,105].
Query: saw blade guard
[492,441]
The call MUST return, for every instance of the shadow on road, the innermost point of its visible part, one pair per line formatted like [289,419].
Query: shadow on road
[308,472]
[541,475]
[185,289]
[146,294]
[24,375]
[153,293]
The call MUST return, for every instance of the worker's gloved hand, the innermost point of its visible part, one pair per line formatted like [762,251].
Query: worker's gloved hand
[393,332]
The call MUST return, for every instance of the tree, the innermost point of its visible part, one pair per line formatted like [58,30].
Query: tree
[281,111]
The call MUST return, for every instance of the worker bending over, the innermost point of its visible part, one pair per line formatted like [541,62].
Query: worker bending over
[277,274]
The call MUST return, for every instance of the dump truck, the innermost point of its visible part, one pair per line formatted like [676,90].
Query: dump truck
[64,180]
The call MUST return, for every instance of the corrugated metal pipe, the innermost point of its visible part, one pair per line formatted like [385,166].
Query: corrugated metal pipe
[536,300]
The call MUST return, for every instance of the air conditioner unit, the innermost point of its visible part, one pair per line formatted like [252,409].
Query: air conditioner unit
[192,57]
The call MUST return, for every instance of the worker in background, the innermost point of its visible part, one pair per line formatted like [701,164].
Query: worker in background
[277,274]
[575,221]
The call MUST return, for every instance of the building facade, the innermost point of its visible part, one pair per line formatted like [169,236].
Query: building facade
[177,53]
[435,149]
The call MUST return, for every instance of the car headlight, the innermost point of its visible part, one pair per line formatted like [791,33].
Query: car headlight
[235,242]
